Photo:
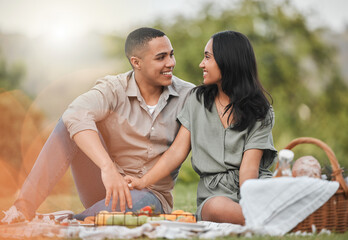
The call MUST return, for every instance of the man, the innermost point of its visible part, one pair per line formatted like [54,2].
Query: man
[121,126]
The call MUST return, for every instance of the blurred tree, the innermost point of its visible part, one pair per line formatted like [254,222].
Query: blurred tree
[19,124]
[295,65]
[12,105]
[10,78]
[20,140]
[114,46]
[22,136]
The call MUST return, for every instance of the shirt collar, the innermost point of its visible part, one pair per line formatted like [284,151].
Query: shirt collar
[171,89]
[133,89]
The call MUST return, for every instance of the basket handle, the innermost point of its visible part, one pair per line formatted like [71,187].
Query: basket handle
[336,170]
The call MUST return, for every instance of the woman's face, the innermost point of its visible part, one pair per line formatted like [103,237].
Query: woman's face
[211,71]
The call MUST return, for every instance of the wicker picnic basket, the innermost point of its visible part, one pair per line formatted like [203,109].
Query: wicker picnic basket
[333,215]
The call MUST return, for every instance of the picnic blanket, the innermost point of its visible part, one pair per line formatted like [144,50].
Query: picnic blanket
[202,230]
[270,206]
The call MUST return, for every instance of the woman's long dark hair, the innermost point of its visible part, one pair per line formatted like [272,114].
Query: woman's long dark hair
[235,57]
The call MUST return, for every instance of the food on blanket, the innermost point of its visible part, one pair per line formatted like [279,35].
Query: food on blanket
[116,219]
[131,220]
[187,218]
[102,217]
[155,218]
[142,219]
[147,210]
[178,211]
[119,218]
[306,166]
[139,218]
[64,223]
[180,216]
[89,220]
[169,217]
[71,222]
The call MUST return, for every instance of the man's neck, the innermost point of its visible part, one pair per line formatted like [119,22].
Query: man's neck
[150,93]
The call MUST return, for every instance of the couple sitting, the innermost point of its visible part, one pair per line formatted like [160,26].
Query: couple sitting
[126,137]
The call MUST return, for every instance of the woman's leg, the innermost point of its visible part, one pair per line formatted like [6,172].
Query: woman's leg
[140,198]
[222,209]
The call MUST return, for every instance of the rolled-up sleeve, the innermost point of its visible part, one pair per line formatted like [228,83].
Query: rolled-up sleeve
[90,107]
[260,137]
[184,115]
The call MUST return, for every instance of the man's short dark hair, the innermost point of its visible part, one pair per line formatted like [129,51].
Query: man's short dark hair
[139,38]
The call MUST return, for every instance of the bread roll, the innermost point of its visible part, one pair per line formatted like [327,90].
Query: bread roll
[306,166]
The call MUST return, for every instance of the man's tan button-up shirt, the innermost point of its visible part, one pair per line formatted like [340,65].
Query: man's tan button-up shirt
[135,139]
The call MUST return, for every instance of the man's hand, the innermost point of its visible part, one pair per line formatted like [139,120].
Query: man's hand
[134,182]
[116,187]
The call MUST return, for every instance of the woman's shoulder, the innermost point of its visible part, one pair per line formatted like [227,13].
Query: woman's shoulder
[194,97]
[200,92]
[267,121]
[193,103]
[270,116]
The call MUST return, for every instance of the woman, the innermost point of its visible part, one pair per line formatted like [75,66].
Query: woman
[228,123]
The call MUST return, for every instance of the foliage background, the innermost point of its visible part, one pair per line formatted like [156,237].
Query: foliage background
[296,65]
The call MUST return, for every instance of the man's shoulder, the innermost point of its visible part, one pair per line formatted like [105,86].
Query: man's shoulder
[114,81]
[181,85]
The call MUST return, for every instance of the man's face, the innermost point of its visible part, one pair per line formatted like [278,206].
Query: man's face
[157,62]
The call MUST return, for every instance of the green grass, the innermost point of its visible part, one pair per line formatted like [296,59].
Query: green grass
[185,196]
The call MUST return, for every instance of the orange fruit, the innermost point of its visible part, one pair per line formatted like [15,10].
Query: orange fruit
[178,212]
[170,217]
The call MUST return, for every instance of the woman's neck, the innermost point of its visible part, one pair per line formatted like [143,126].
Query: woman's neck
[223,99]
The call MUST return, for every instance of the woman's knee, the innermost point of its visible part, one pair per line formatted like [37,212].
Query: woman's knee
[214,206]
[222,209]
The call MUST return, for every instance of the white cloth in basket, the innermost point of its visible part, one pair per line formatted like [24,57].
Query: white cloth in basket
[275,206]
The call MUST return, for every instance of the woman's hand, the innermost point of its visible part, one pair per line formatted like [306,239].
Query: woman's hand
[134,182]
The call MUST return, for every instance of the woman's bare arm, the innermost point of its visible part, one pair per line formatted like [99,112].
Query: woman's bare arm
[249,167]
[169,161]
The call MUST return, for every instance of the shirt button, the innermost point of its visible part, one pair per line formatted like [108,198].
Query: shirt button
[152,128]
